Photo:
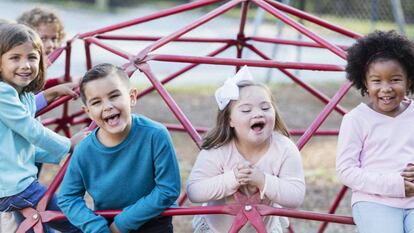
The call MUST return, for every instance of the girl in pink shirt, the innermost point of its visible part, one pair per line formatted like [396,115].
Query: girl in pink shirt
[249,150]
[376,140]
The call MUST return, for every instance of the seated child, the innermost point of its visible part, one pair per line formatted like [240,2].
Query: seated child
[376,139]
[127,163]
[249,150]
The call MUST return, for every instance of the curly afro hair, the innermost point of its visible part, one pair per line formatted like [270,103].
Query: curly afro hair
[376,46]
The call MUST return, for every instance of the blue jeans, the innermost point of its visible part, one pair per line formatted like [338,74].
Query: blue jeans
[159,224]
[372,217]
[30,198]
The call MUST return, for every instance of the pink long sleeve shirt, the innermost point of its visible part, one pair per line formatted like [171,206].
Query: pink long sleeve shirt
[373,150]
[212,180]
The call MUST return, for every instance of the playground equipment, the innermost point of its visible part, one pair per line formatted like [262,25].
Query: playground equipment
[247,209]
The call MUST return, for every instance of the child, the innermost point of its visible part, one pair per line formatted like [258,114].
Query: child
[127,163]
[47,24]
[24,140]
[249,150]
[376,140]
[50,28]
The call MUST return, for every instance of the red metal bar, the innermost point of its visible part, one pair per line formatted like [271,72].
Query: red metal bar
[183,70]
[334,206]
[67,60]
[200,21]
[324,114]
[313,19]
[325,99]
[160,14]
[87,46]
[144,67]
[155,38]
[241,38]
[55,54]
[283,17]
[110,48]
[241,62]
[290,42]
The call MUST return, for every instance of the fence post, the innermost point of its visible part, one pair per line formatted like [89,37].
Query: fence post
[102,4]
[398,13]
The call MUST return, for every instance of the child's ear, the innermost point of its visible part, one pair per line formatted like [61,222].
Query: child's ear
[86,110]
[133,93]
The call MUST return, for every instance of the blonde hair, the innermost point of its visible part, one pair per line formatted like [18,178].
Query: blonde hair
[12,35]
[222,133]
[37,16]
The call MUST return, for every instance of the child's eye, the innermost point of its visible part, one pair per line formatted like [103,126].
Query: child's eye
[33,58]
[245,110]
[265,108]
[14,58]
[114,96]
[95,103]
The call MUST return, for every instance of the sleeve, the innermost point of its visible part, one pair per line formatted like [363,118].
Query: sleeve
[19,119]
[166,190]
[348,164]
[72,203]
[41,101]
[207,181]
[288,187]
[42,156]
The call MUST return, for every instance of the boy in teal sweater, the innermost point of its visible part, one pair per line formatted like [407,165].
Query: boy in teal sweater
[127,163]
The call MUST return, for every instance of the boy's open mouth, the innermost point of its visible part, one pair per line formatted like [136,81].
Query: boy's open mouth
[112,119]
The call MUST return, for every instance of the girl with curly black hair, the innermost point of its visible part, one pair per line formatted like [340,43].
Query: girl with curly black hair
[376,140]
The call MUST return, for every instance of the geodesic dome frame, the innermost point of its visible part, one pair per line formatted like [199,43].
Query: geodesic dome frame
[247,209]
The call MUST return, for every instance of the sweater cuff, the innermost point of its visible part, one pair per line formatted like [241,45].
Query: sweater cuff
[230,179]
[399,185]
[119,225]
[268,178]
[41,101]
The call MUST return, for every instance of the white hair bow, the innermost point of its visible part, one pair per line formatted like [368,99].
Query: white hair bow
[230,90]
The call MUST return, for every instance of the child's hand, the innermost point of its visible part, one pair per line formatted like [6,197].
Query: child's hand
[113,228]
[60,90]
[76,138]
[408,173]
[409,188]
[241,172]
[256,178]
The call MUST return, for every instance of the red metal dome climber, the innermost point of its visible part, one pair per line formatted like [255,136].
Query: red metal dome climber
[247,209]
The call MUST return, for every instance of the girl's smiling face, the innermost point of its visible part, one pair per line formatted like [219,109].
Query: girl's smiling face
[20,66]
[252,116]
[387,85]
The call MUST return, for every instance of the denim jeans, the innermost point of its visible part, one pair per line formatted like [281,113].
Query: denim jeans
[372,217]
[159,224]
[30,198]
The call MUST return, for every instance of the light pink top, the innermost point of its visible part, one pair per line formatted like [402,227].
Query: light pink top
[212,180]
[373,149]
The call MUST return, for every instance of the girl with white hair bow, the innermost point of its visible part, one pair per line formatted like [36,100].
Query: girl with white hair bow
[248,151]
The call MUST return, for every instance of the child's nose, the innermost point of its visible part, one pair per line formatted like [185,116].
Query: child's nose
[25,64]
[108,105]
[386,87]
[258,113]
